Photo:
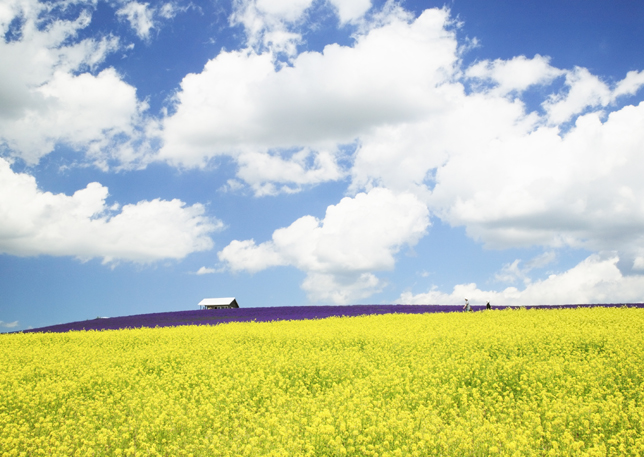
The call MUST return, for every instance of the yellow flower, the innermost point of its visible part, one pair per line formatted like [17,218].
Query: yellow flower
[536,382]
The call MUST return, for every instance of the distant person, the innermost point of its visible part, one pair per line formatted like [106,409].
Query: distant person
[467,306]
[488,306]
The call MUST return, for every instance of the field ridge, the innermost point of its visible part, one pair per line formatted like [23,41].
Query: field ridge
[275,313]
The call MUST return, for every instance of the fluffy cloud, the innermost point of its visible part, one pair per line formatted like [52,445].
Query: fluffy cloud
[242,101]
[140,17]
[341,288]
[511,177]
[351,10]
[84,111]
[629,85]
[359,235]
[33,222]
[269,174]
[476,156]
[595,280]
[408,155]
[516,271]
[276,25]
[585,90]
[269,24]
[143,18]
[48,94]
[516,74]
[13,324]
[541,187]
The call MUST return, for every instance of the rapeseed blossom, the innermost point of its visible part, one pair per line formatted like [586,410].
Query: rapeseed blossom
[512,382]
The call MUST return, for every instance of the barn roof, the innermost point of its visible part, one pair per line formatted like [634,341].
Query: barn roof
[216,301]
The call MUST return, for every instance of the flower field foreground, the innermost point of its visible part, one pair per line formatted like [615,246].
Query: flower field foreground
[511,382]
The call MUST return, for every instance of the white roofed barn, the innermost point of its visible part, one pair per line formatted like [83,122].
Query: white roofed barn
[218,303]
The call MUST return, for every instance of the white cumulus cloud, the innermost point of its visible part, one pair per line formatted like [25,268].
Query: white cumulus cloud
[585,90]
[271,24]
[277,25]
[270,174]
[541,187]
[140,16]
[13,324]
[33,222]
[205,271]
[357,236]
[48,93]
[594,280]
[633,81]
[243,104]
[351,10]
[143,17]
[516,74]
[83,111]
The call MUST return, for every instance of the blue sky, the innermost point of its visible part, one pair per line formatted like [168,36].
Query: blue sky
[318,152]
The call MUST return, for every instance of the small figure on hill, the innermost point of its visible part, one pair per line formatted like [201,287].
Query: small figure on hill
[488,306]
[467,306]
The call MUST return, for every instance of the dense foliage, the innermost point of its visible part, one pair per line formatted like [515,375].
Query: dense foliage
[512,382]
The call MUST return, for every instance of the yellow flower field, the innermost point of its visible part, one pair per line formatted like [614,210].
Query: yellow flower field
[514,382]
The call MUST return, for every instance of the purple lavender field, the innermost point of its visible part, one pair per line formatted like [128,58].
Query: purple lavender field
[278,313]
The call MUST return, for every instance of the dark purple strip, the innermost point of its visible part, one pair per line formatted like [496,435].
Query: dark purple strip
[277,313]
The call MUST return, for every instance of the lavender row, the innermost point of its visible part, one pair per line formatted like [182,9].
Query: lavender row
[267,314]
